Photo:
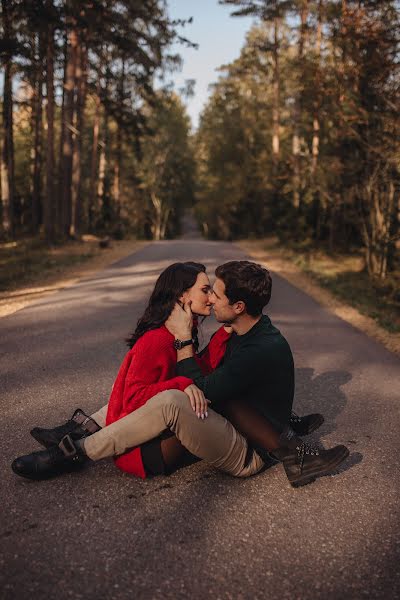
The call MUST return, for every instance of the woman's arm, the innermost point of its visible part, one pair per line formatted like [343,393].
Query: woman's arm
[211,356]
[149,370]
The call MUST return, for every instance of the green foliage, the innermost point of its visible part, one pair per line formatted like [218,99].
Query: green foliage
[336,176]
[100,61]
[166,170]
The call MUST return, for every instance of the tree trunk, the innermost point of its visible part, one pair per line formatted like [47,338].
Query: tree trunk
[67,143]
[164,223]
[76,199]
[92,208]
[103,188]
[102,174]
[317,101]
[118,154]
[276,94]
[49,204]
[59,199]
[37,145]
[157,221]
[7,155]
[298,107]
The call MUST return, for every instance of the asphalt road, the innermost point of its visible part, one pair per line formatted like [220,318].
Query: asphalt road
[101,534]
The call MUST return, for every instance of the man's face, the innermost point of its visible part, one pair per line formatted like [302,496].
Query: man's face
[223,311]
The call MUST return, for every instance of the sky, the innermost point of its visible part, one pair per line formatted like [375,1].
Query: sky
[220,38]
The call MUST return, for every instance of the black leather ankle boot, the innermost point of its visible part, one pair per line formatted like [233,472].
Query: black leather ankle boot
[79,426]
[64,458]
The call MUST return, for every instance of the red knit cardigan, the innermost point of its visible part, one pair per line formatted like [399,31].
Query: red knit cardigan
[148,369]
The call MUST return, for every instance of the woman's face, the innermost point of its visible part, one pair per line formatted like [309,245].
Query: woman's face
[199,296]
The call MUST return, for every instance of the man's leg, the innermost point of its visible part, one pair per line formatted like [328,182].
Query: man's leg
[216,440]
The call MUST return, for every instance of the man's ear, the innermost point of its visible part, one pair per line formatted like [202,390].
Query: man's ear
[240,307]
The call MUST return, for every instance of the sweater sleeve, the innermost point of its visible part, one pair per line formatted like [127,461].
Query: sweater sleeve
[152,359]
[232,379]
[209,358]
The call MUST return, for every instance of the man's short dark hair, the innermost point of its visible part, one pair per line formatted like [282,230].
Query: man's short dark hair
[248,282]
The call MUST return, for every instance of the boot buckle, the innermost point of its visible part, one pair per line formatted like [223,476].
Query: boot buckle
[67,446]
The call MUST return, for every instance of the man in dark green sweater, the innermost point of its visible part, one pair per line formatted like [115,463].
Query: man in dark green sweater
[253,387]
[256,376]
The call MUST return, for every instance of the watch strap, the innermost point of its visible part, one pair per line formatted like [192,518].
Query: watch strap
[179,344]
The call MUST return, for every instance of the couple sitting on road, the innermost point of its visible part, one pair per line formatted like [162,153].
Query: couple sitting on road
[230,405]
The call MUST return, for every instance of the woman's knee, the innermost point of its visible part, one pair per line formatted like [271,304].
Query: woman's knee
[173,397]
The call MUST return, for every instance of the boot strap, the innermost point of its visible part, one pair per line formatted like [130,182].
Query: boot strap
[87,423]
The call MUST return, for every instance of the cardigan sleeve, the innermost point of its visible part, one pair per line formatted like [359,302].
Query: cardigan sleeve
[152,361]
[209,358]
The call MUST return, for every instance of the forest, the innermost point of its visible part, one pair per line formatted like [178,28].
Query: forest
[299,138]
[89,143]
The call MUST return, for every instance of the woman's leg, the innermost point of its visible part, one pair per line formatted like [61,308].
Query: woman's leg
[252,425]
[213,439]
[175,456]
[100,416]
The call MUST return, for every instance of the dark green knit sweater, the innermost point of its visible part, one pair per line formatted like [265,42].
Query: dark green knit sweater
[257,367]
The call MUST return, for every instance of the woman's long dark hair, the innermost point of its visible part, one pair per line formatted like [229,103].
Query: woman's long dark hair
[173,281]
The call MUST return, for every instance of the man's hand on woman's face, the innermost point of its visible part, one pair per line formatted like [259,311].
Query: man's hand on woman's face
[198,401]
[180,322]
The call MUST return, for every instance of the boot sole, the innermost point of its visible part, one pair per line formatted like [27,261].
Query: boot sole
[327,471]
[50,475]
[30,476]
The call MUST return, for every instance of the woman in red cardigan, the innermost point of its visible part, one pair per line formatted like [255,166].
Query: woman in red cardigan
[149,368]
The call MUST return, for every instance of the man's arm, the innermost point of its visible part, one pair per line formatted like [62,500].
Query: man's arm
[232,379]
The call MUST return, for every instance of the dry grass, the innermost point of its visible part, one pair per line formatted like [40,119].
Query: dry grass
[29,269]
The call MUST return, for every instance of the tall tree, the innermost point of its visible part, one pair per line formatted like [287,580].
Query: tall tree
[7,155]
[49,204]
[68,110]
[37,126]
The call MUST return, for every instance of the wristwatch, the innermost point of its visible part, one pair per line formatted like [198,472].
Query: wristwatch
[178,344]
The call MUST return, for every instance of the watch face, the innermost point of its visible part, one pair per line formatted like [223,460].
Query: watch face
[178,344]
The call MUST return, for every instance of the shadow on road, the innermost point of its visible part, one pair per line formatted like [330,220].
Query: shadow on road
[324,394]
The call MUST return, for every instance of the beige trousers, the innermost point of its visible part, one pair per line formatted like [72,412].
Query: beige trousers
[213,439]
[100,416]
